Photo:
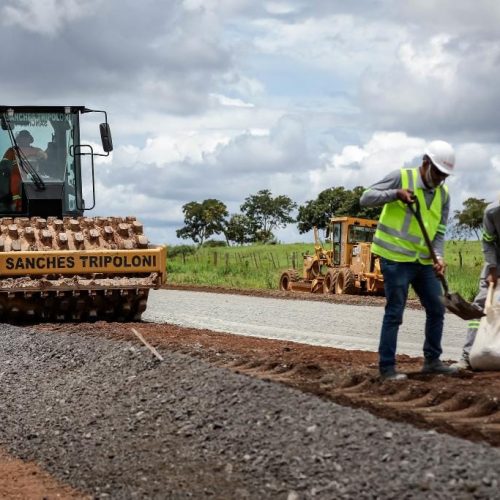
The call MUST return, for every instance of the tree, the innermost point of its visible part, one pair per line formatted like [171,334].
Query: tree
[266,213]
[238,229]
[202,220]
[465,223]
[332,202]
[470,219]
[351,206]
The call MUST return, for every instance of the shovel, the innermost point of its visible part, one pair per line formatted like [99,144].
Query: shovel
[454,302]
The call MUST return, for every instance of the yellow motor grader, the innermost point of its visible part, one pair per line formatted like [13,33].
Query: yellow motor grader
[347,267]
[56,264]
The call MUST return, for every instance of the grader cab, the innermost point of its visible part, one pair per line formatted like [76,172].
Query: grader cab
[347,266]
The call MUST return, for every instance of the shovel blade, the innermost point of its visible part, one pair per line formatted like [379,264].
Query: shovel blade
[456,304]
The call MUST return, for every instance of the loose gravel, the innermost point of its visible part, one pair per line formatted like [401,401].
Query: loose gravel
[111,420]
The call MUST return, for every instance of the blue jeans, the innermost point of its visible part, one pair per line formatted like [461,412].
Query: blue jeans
[398,276]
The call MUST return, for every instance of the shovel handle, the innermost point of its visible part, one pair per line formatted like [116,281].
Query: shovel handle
[416,212]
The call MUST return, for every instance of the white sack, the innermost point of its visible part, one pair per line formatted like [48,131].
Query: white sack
[485,352]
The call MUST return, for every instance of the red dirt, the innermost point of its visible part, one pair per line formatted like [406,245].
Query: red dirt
[365,300]
[21,480]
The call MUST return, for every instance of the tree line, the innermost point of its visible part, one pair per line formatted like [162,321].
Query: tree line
[262,213]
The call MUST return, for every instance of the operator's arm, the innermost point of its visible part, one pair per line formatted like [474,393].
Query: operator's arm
[10,154]
[382,191]
[438,242]
[490,241]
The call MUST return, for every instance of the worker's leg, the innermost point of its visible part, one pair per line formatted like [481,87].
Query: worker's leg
[479,302]
[396,281]
[428,289]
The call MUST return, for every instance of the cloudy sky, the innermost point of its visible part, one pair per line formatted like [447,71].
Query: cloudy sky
[222,98]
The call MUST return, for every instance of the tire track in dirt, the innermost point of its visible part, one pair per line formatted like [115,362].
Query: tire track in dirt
[469,415]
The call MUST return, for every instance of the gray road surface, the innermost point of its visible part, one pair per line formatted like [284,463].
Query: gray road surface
[318,323]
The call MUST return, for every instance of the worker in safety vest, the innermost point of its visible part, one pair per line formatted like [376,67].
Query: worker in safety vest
[404,256]
[24,140]
[490,243]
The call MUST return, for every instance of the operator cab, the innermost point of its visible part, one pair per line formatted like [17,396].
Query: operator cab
[346,234]
[40,160]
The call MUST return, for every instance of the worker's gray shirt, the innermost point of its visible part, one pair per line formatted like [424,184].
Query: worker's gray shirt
[491,226]
[385,191]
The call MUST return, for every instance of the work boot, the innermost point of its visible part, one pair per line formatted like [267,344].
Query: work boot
[390,373]
[438,367]
[462,364]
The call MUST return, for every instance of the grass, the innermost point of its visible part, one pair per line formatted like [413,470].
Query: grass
[260,266]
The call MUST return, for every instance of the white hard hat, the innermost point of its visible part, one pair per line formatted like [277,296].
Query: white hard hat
[442,156]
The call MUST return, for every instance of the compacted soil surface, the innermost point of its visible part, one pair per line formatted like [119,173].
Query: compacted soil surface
[97,414]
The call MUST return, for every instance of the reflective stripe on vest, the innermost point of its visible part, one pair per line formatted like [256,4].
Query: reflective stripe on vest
[398,236]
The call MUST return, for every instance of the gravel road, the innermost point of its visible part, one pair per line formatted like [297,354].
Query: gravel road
[317,323]
[109,419]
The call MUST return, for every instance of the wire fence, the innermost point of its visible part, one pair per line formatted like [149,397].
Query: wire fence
[258,260]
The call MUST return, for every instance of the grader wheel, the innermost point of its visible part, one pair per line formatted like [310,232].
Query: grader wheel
[330,281]
[287,278]
[346,282]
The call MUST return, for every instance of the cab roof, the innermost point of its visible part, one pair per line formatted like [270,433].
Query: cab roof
[44,109]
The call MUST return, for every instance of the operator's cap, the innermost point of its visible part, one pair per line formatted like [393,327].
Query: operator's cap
[25,134]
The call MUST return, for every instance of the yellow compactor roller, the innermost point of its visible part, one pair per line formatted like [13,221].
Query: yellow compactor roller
[55,263]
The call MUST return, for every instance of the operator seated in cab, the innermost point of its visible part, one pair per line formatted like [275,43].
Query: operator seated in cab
[32,154]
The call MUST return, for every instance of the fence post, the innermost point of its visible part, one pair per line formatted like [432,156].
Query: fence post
[293,261]
[255,260]
[272,259]
[215,259]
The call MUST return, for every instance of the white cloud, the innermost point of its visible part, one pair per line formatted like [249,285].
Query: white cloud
[222,98]
[337,44]
[231,102]
[363,165]
[46,16]
[430,62]
[280,8]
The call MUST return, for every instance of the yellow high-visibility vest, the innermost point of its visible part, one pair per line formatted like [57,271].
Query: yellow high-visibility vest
[398,236]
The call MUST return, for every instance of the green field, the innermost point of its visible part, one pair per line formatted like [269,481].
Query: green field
[260,266]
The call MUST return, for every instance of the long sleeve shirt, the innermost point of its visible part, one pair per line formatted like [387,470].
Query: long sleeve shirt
[385,191]
[491,231]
